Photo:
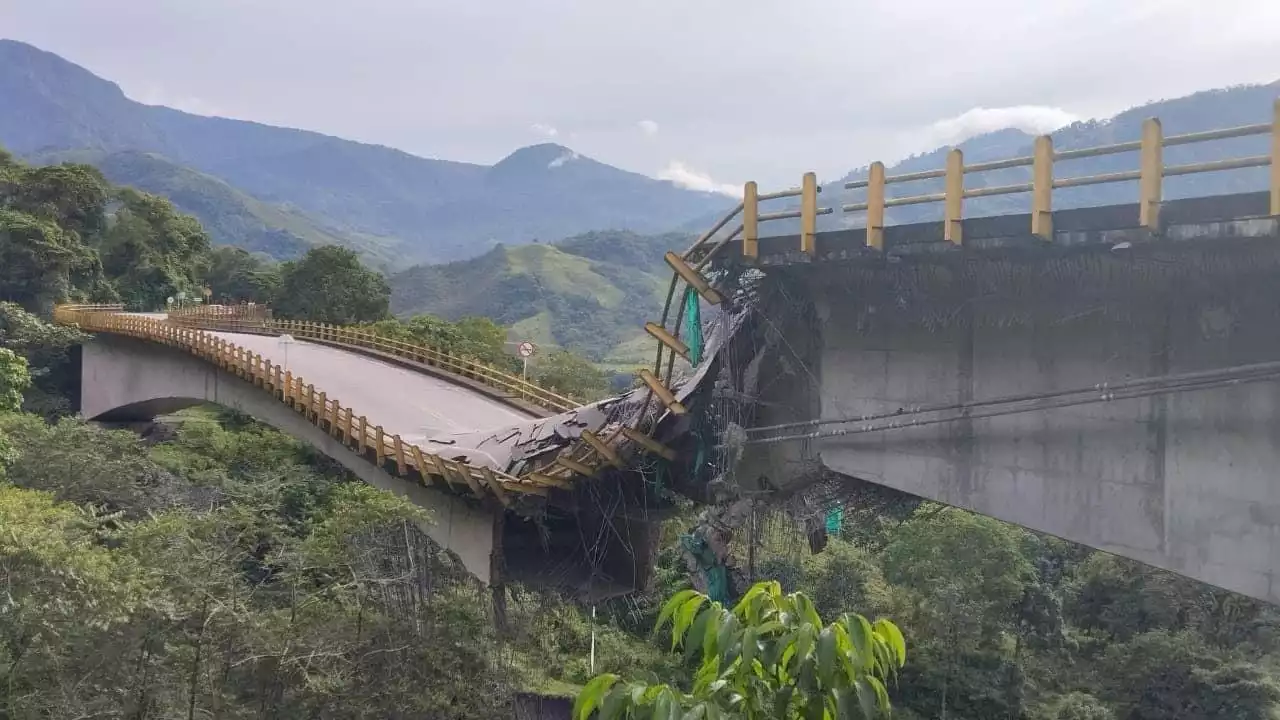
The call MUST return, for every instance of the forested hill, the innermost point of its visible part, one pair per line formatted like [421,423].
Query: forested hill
[435,210]
[591,293]
[230,216]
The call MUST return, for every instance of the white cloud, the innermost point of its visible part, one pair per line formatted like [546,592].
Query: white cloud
[648,127]
[564,158]
[1033,119]
[677,173]
[544,130]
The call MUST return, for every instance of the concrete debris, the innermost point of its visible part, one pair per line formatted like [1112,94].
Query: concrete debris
[512,449]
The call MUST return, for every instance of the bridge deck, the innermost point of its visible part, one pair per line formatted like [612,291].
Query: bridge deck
[414,405]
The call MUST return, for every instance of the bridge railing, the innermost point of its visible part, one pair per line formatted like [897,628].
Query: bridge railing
[243,311]
[91,307]
[388,451]
[1150,175]
[257,320]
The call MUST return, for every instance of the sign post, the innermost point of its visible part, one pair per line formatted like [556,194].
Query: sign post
[526,350]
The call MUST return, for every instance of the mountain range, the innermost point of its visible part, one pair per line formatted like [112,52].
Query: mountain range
[287,189]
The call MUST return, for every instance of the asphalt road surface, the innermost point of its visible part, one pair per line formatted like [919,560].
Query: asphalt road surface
[413,405]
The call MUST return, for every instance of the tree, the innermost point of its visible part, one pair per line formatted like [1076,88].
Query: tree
[14,379]
[47,217]
[46,348]
[235,275]
[329,285]
[769,657]
[63,590]
[1076,706]
[571,375]
[151,251]
[70,195]
[1163,675]
[967,576]
[39,260]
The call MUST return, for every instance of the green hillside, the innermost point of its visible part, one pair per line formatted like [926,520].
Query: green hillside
[591,293]
[230,216]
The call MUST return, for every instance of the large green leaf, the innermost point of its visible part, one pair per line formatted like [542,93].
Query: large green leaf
[671,606]
[684,618]
[591,695]
[826,656]
[893,636]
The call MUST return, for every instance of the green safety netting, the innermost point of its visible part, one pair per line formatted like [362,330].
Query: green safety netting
[716,575]
[692,326]
[835,519]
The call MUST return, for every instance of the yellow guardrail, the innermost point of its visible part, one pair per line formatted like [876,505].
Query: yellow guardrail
[257,320]
[388,452]
[1150,175]
[116,307]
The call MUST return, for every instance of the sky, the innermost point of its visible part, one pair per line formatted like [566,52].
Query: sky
[707,93]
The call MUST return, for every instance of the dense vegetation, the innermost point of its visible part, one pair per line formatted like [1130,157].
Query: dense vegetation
[230,216]
[771,656]
[1004,623]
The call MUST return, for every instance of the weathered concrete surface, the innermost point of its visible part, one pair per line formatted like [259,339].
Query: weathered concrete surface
[1189,482]
[127,379]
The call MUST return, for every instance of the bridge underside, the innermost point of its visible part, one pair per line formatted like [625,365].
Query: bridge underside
[1185,481]
[580,543]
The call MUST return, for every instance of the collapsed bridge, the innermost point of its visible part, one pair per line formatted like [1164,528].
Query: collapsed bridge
[1105,374]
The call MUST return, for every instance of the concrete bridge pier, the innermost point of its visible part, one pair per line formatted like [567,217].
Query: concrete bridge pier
[1189,482]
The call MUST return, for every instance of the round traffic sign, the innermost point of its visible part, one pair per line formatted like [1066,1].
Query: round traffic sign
[527,349]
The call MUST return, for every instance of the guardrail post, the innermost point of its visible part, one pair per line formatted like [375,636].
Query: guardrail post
[1275,159]
[1151,174]
[953,226]
[401,466]
[750,220]
[808,213]
[1042,188]
[875,206]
